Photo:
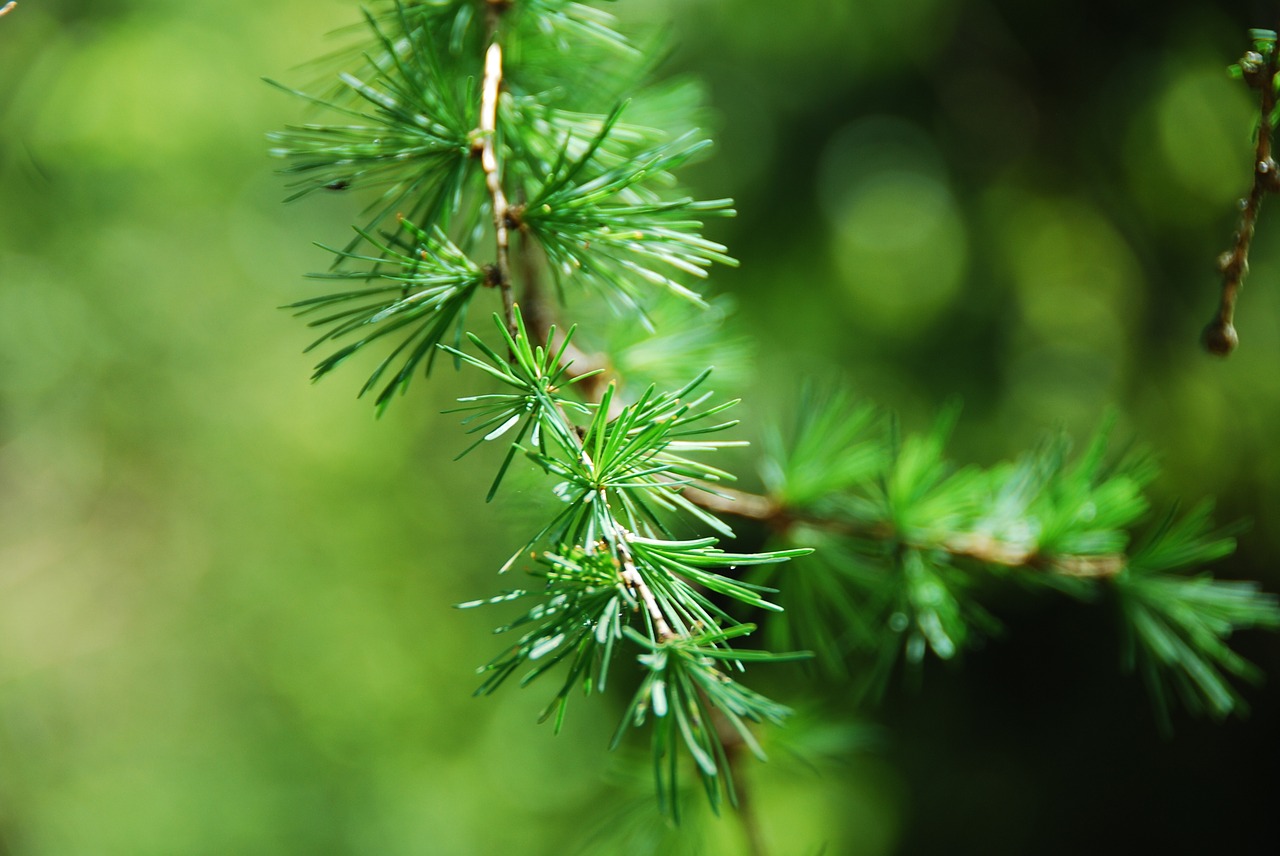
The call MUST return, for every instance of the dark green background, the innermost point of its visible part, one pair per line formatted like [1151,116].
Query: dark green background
[224,620]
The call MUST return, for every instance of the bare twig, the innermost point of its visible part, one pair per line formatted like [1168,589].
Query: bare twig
[1220,335]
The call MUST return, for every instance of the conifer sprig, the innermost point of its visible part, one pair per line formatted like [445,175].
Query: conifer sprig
[613,568]
[579,616]
[423,287]
[608,225]
[1178,625]
[685,694]
[410,113]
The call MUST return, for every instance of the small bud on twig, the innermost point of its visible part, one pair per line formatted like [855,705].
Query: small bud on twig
[1220,338]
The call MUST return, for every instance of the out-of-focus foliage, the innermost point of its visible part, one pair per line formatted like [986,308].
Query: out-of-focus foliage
[220,630]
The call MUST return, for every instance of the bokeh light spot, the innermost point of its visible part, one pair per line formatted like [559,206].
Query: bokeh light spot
[897,237]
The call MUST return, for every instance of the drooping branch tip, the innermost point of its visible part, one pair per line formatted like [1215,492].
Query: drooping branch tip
[1258,69]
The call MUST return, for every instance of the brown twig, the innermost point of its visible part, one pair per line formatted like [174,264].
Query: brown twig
[1219,336]
[488,132]
[506,217]
[542,331]
[991,551]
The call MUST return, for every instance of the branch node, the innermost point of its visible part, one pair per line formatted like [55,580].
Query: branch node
[1253,68]
[1231,265]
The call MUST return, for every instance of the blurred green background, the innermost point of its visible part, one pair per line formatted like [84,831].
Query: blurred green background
[224,593]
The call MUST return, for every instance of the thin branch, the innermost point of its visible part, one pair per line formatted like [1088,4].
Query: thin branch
[983,548]
[991,551]
[501,274]
[1219,336]
[8,7]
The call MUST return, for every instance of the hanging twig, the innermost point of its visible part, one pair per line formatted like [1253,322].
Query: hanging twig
[1258,70]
